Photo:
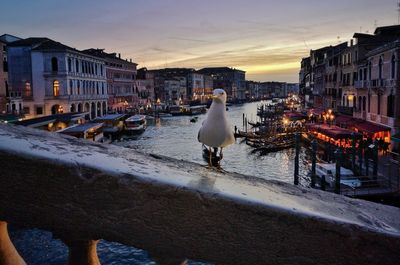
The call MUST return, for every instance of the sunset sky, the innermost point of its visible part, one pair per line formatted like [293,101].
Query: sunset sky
[266,38]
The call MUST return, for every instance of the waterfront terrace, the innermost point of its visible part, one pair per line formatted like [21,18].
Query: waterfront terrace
[176,210]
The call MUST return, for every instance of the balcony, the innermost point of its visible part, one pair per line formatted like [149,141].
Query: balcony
[376,83]
[87,97]
[361,84]
[345,110]
[176,210]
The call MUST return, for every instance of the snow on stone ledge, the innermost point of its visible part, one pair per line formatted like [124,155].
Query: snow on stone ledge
[127,162]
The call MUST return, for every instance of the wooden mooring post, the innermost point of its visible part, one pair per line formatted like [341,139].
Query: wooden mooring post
[314,145]
[296,159]
[338,156]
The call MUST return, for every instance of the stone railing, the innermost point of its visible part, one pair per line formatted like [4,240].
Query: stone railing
[83,191]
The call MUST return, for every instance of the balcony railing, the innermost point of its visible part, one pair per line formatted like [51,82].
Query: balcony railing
[88,97]
[345,110]
[361,84]
[177,210]
[377,83]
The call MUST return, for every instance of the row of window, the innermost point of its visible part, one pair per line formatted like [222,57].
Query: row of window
[361,106]
[364,73]
[85,67]
[80,87]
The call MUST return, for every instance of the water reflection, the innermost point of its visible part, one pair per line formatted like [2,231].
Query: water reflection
[177,137]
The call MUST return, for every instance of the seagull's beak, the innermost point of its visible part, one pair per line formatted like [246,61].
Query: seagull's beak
[214,96]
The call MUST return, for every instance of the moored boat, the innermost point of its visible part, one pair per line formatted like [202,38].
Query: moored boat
[113,124]
[328,171]
[135,125]
[90,131]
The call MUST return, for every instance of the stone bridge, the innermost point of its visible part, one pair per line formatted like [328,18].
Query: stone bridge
[176,210]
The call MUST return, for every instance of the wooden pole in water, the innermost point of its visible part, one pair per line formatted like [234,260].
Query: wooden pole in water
[375,159]
[326,145]
[353,149]
[338,156]
[323,182]
[360,156]
[296,159]
[314,161]
[366,158]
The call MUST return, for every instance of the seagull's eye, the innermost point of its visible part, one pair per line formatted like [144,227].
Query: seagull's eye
[221,93]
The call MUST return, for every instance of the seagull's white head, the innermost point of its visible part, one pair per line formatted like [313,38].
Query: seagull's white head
[219,96]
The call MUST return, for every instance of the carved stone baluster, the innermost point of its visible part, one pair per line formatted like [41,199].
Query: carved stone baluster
[82,252]
[8,253]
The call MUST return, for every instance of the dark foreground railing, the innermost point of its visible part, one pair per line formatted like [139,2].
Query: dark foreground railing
[82,192]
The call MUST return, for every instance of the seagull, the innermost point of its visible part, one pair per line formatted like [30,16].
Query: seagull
[216,131]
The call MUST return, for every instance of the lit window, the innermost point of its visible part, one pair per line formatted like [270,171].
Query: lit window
[56,88]
[28,90]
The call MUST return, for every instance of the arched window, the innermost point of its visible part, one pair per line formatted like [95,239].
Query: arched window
[71,85]
[393,67]
[379,103]
[359,103]
[369,103]
[54,64]
[97,88]
[28,90]
[369,70]
[364,103]
[56,88]
[102,88]
[77,65]
[390,105]
[69,65]
[380,67]
[79,87]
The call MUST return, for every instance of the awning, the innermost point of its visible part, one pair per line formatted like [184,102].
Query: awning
[294,116]
[316,111]
[332,131]
[370,127]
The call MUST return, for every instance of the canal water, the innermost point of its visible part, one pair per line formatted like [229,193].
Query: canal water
[174,137]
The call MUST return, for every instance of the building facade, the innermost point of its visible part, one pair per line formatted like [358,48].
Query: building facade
[54,78]
[145,86]
[383,87]
[201,86]
[160,75]
[121,74]
[8,104]
[232,80]
[362,82]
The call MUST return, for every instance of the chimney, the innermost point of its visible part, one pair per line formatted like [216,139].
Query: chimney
[130,60]
[351,42]
[119,55]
